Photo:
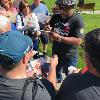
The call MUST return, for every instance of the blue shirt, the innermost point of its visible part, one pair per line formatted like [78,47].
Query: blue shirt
[42,8]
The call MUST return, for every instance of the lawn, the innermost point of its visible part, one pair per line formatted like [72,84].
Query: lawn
[91,21]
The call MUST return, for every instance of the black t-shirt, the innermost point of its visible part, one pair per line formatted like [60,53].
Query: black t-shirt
[11,89]
[69,27]
[80,87]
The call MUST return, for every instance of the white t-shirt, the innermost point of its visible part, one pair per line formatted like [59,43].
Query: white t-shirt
[33,20]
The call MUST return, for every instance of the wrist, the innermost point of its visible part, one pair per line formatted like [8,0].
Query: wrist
[53,68]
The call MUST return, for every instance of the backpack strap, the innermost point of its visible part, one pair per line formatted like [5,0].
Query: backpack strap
[21,18]
[34,87]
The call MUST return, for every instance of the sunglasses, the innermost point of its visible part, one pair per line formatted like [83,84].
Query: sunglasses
[26,6]
[64,8]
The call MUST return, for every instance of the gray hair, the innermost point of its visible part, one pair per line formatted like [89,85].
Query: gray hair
[4,24]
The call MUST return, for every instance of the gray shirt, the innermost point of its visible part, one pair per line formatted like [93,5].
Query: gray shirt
[11,89]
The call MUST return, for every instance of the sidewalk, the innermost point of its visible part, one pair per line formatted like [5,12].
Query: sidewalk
[90,12]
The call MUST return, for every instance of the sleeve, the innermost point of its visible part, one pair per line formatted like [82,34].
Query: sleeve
[47,11]
[62,94]
[50,88]
[79,27]
[69,88]
[52,21]
[37,27]
[19,25]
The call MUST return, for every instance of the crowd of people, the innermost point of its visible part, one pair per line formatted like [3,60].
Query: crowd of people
[22,76]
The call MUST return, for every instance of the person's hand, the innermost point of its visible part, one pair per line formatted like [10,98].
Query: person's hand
[47,28]
[54,62]
[33,53]
[55,36]
[35,70]
[37,33]
[29,24]
[72,69]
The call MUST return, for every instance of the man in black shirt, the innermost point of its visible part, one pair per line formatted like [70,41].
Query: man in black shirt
[67,35]
[85,86]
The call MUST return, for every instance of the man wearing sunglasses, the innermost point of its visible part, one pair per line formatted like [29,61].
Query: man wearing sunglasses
[67,34]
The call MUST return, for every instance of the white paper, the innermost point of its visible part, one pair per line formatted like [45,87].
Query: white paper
[43,18]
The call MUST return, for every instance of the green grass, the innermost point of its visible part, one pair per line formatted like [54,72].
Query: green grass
[91,21]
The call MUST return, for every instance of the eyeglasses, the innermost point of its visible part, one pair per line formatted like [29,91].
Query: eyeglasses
[26,6]
[64,8]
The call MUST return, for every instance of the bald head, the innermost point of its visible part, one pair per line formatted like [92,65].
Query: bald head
[4,21]
[4,24]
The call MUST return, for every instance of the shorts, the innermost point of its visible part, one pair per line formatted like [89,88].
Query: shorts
[44,38]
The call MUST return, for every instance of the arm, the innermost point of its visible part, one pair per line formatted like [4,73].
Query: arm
[67,40]
[52,73]
[47,11]
[19,25]
[36,23]
[71,40]
[75,34]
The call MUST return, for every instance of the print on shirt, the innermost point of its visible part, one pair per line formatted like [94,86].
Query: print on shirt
[62,28]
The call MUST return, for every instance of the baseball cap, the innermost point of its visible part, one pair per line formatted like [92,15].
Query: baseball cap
[15,45]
